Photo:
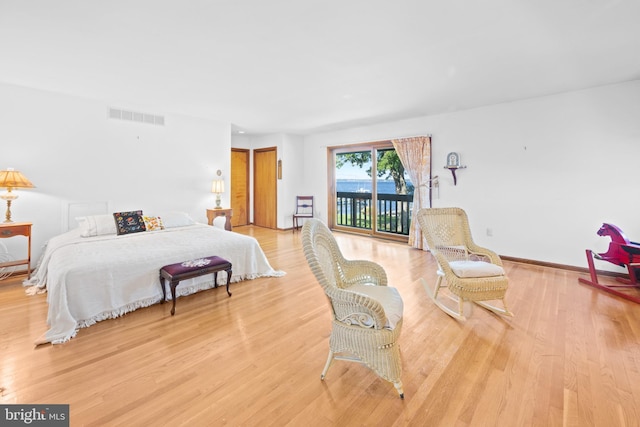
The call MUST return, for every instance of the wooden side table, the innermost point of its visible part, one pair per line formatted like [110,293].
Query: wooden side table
[212,213]
[17,229]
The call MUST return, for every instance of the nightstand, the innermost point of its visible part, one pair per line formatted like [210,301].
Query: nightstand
[17,229]
[212,213]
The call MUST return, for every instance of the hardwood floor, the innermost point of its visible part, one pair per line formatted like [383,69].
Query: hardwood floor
[570,356]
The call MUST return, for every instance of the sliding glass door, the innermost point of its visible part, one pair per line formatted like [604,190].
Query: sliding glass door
[370,190]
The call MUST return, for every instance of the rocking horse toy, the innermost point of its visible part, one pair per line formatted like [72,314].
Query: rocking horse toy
[621,252]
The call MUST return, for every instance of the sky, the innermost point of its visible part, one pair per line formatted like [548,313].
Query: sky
[349,171]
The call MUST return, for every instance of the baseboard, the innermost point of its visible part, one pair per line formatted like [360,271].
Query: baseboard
[561,266]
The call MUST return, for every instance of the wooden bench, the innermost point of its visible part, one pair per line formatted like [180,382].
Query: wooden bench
[190,269]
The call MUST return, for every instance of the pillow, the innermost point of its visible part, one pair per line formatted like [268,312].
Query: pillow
[176,219]
[96,225]
[129,222]
[475,269]
[153,223]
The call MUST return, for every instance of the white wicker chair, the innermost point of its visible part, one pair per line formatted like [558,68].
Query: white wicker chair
[472,273]
[367,314]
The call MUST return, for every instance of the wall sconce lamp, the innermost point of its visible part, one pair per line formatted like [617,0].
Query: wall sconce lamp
[11,179]
[217,187]
[453,164]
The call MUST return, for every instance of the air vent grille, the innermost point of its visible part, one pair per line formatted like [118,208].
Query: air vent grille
[135,116]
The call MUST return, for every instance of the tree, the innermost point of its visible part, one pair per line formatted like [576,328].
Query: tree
[388,166]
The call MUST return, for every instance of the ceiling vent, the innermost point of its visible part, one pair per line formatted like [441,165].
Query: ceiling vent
[135,116]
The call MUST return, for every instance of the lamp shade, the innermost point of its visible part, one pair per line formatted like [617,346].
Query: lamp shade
[11,178]
[217,186]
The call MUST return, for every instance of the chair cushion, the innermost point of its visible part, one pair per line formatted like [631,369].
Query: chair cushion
[388,297]
[475,269]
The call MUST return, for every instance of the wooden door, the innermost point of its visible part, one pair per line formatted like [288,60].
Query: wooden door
[240,186]
[265,187]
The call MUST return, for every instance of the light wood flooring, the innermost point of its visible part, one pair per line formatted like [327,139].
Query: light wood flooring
[569,357]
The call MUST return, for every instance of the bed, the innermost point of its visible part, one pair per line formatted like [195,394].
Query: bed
[91,273]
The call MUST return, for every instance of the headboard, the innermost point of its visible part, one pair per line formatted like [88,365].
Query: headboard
[78,209]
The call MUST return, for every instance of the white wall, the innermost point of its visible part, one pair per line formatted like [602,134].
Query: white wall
[542,173]
[293,182]
[72,152]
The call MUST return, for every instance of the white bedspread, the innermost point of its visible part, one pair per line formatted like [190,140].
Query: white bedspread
[103,277]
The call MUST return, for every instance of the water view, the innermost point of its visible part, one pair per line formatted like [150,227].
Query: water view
[354,203]
[364,186]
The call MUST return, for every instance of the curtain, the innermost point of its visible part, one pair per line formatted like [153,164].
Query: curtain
[415,155]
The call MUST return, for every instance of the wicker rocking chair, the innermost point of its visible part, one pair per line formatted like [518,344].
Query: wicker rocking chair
[472,273]
[367,314]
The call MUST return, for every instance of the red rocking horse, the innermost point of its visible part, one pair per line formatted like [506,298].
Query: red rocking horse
[621,252]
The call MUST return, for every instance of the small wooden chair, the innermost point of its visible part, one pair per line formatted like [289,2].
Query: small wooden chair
[304,209]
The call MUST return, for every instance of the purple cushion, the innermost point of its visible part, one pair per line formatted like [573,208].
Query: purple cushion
[194,265]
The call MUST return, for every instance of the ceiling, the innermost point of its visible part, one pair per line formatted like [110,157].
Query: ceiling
[305,66]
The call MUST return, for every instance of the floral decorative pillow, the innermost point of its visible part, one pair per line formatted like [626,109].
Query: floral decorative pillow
[153,223]
[129,222]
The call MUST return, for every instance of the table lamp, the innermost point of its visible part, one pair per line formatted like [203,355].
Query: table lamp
[217,187]
[11,179]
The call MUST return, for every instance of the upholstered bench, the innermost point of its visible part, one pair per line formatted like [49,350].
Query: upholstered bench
[190,269]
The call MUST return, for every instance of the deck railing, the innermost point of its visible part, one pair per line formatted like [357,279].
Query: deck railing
[393,211]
